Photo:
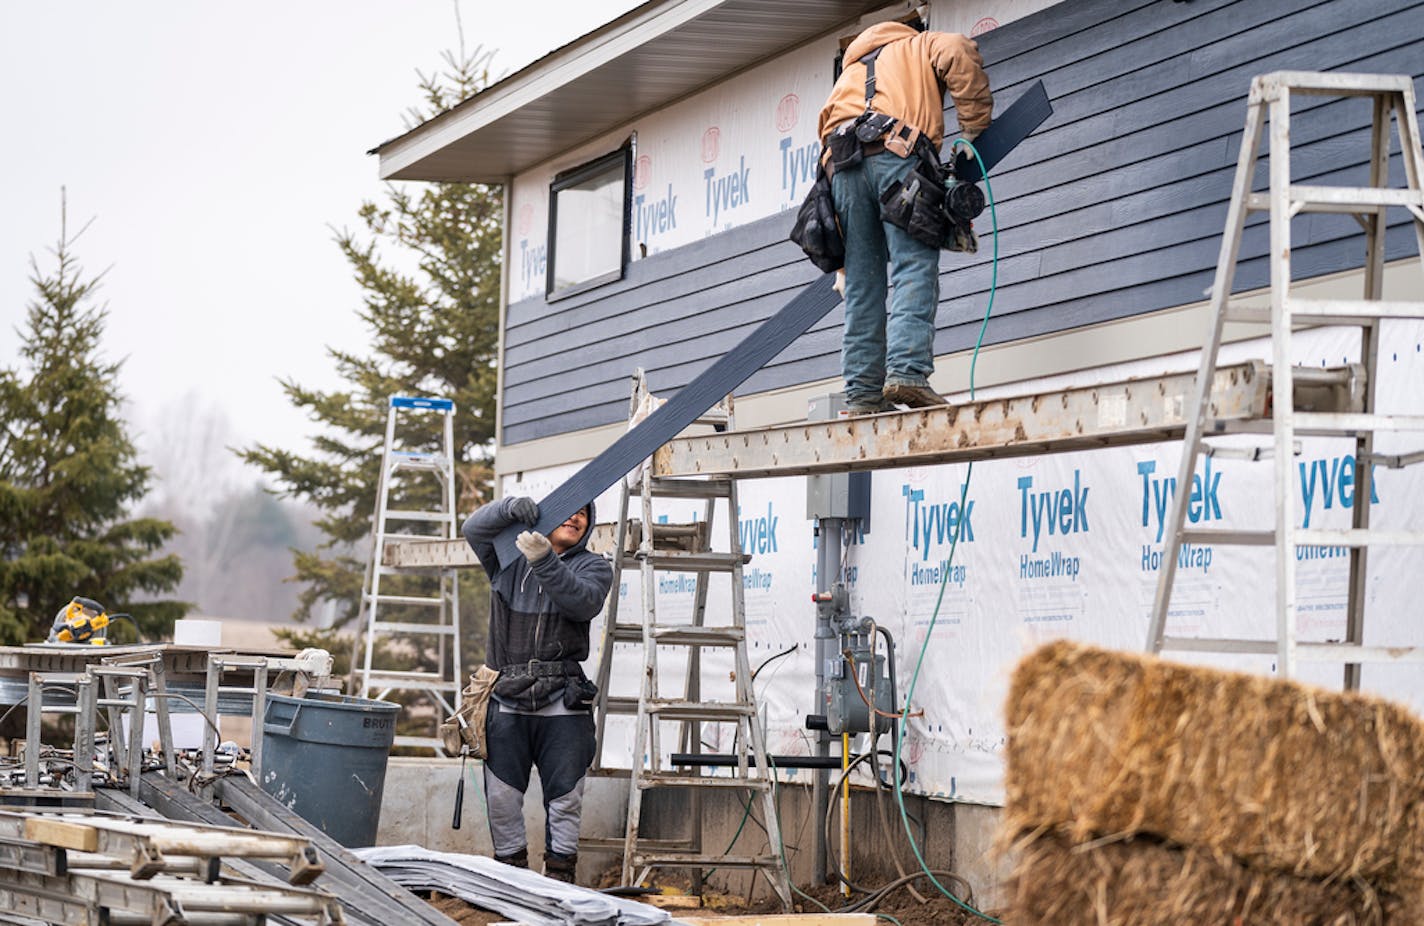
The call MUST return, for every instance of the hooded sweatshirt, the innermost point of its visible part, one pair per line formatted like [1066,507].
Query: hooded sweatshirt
[538,611]
[911,75]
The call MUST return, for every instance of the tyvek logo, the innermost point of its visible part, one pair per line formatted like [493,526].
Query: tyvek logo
[929,522]
[758,534]
[729,191]
[786,112]
[642,172]
[1062,512]
[798,165]
[1329,481]
[711,144]
[1202,504]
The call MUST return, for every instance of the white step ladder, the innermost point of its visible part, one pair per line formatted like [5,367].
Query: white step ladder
[1270,98]
[425,603]
[684,548]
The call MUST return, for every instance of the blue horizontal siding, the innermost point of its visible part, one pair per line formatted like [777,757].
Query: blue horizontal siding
[1114,208]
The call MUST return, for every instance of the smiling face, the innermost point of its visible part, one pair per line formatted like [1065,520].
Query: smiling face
[567,534]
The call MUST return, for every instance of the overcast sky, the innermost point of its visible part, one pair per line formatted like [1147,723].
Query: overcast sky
[214,145]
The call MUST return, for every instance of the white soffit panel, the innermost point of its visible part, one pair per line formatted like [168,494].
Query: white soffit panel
[646,59]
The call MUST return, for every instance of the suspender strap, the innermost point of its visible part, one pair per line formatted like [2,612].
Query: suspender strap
[869,62]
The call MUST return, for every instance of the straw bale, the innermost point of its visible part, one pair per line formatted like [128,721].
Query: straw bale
[1143,882]
[1282,776]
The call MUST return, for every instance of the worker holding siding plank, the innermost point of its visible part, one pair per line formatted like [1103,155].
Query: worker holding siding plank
[540,711]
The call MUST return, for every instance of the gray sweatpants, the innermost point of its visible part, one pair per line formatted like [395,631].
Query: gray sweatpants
[561,746]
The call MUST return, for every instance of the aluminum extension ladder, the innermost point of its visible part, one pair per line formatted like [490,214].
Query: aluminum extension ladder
[1270,97]
[426,602]
[684,548]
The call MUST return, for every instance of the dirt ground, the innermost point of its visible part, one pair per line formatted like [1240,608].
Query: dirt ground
[901,904]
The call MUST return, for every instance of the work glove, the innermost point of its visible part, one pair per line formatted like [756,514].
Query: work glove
[534,545]
[524,509]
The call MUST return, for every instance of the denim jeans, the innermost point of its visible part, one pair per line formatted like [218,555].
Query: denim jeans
[876,350]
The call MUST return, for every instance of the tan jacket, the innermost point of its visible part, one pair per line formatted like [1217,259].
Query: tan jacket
[911,76]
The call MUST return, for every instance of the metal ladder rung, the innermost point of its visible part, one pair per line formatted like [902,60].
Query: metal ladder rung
[1352,200]
[1328,424]
[378,678]
[616,844]
[1306,651]
[1227,537]
[417,742]
[672,487]
[616,705]
[397,514]
[691,860]
[707,712]
[697,562]
[666,780]
[1354,537]
[404,599]
[699,636]
[1338,83]
[396,627]
[1349,310]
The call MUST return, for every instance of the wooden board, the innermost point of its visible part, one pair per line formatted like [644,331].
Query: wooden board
[63,833]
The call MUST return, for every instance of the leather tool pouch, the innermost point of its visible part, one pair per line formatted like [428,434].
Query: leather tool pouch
[916,204]
[466,729]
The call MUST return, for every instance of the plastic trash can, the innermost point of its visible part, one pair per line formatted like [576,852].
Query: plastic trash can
[324,757]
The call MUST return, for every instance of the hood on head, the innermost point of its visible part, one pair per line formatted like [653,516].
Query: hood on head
[876,36]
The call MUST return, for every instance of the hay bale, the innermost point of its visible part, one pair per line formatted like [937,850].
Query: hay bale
[1281,776]
[1143,882]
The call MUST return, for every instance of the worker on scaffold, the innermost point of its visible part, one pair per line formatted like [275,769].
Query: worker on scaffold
[882,127]
[540,710]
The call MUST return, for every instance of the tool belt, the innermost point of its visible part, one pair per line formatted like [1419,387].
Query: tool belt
[465,730]
[541,681]
[535,668]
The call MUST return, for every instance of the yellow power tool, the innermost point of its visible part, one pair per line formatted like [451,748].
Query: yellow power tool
[83,620]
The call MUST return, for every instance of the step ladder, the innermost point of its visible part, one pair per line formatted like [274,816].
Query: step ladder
[1292,415]
[420,605]
[653,548]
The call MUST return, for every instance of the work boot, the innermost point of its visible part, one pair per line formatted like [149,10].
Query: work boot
[859,409]
[913,396]
[519,859]
[560,867]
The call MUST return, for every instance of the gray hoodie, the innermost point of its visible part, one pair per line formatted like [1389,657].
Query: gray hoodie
[539,612]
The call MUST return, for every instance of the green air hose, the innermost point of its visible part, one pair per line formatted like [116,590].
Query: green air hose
[904,720]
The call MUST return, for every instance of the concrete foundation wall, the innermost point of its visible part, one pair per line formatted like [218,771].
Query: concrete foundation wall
[419,800]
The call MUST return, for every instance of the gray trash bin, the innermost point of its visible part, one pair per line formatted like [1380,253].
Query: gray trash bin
[324,757]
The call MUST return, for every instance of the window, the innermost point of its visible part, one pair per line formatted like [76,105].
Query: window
[588,224]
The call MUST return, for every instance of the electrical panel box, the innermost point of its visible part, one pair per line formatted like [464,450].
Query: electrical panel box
[838,495]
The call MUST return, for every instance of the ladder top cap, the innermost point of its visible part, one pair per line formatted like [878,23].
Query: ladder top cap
[440,405]
[1336,82]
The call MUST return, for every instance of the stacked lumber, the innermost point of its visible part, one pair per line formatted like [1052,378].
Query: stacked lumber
[1143,791]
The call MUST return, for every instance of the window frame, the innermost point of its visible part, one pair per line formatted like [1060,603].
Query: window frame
[572,177]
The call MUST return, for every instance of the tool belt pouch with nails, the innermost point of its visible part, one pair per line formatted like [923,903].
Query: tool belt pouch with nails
[916,204]
[466,729]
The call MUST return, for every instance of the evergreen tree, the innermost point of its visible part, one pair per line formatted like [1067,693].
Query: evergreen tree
[69,472]
[434,332]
